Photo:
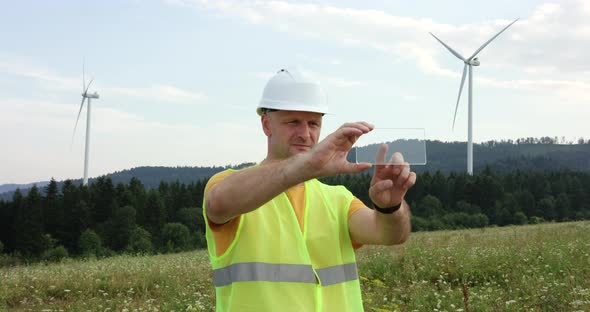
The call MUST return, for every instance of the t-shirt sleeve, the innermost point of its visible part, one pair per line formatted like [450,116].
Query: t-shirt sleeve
[355,205]
[216,178]
[222,233]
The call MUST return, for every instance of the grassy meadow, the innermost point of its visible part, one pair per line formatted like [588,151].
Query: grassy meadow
[526,268]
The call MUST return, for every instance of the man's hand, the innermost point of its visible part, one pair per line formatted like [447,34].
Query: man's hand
[391,181]
[328,157]
[389,185]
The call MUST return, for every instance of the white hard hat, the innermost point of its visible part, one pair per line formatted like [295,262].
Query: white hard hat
[289,90]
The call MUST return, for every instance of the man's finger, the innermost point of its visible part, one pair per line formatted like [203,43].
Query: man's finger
[410,181]
[403,176]
[380,187]
[357,168]
[365,127]
[350,131]
[397,159]
[380,157]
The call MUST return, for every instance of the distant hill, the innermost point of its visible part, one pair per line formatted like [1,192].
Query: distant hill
[149,176]
[443,156]
[504,156]
[11,187]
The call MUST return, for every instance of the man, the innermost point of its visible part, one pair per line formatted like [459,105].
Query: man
[280,240]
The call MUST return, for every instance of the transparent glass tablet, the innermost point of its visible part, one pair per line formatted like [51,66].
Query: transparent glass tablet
[410,142]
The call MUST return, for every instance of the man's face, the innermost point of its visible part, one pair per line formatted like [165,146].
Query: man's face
[291,132]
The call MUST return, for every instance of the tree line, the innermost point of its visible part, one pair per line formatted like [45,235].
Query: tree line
[102,219]
[458,200]
[105,219]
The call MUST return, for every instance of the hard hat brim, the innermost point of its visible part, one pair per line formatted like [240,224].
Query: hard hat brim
[291,107]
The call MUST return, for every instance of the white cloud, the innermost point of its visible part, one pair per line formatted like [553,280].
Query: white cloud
[41,74]
[553,40]
[338,82]
[319,61]
[158,92]
[265,76]
[567,89]
[343,83]
[52,80]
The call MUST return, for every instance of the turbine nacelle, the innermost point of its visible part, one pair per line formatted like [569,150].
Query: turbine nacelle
[90,95]
[474,62]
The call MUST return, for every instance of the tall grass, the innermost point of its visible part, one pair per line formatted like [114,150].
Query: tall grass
[526,268]
[177,282]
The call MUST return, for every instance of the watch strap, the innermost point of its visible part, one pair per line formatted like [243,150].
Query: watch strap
[388,210]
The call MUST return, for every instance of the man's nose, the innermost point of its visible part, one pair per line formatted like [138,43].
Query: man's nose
[303,131]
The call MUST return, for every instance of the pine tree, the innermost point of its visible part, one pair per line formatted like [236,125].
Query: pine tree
[155,213]
[122,225]
[527,202]
[547,208]
[9,227]
[29,237]
[76,214]
[562,205]
[139,196]
[53,210]
[102,193]
[439,187]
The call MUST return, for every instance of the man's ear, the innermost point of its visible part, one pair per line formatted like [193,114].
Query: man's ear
[265,121]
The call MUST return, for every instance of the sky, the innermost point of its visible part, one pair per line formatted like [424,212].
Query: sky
[179,80]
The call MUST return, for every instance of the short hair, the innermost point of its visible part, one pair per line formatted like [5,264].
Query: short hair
[268,110]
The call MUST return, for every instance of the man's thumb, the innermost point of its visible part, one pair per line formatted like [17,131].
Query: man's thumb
[356,168]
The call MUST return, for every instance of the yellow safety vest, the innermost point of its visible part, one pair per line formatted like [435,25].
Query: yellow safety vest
[272,266]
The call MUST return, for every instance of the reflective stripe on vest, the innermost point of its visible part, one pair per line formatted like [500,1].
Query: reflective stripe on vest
[338,274]
[272,272]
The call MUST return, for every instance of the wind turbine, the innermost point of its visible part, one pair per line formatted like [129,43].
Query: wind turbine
[469,62]
[89,96]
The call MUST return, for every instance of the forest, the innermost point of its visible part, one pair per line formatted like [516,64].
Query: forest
[105,219]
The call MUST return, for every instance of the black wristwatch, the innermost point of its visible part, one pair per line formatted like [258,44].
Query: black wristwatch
[388,210]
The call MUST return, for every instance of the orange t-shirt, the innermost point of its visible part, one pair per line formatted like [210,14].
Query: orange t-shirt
[224,233]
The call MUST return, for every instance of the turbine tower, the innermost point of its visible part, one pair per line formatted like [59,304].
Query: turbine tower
[89,96]
[469,62]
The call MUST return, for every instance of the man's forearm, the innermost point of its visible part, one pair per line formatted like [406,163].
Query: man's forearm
[250,188]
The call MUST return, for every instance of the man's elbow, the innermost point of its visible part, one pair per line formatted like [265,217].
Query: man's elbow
[214,211]
[402,239]
[397,238]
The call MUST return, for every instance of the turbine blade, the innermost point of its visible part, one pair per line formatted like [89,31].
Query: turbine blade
[488,42]
[459,97]
[455,53]
[79,112]
[88,87]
